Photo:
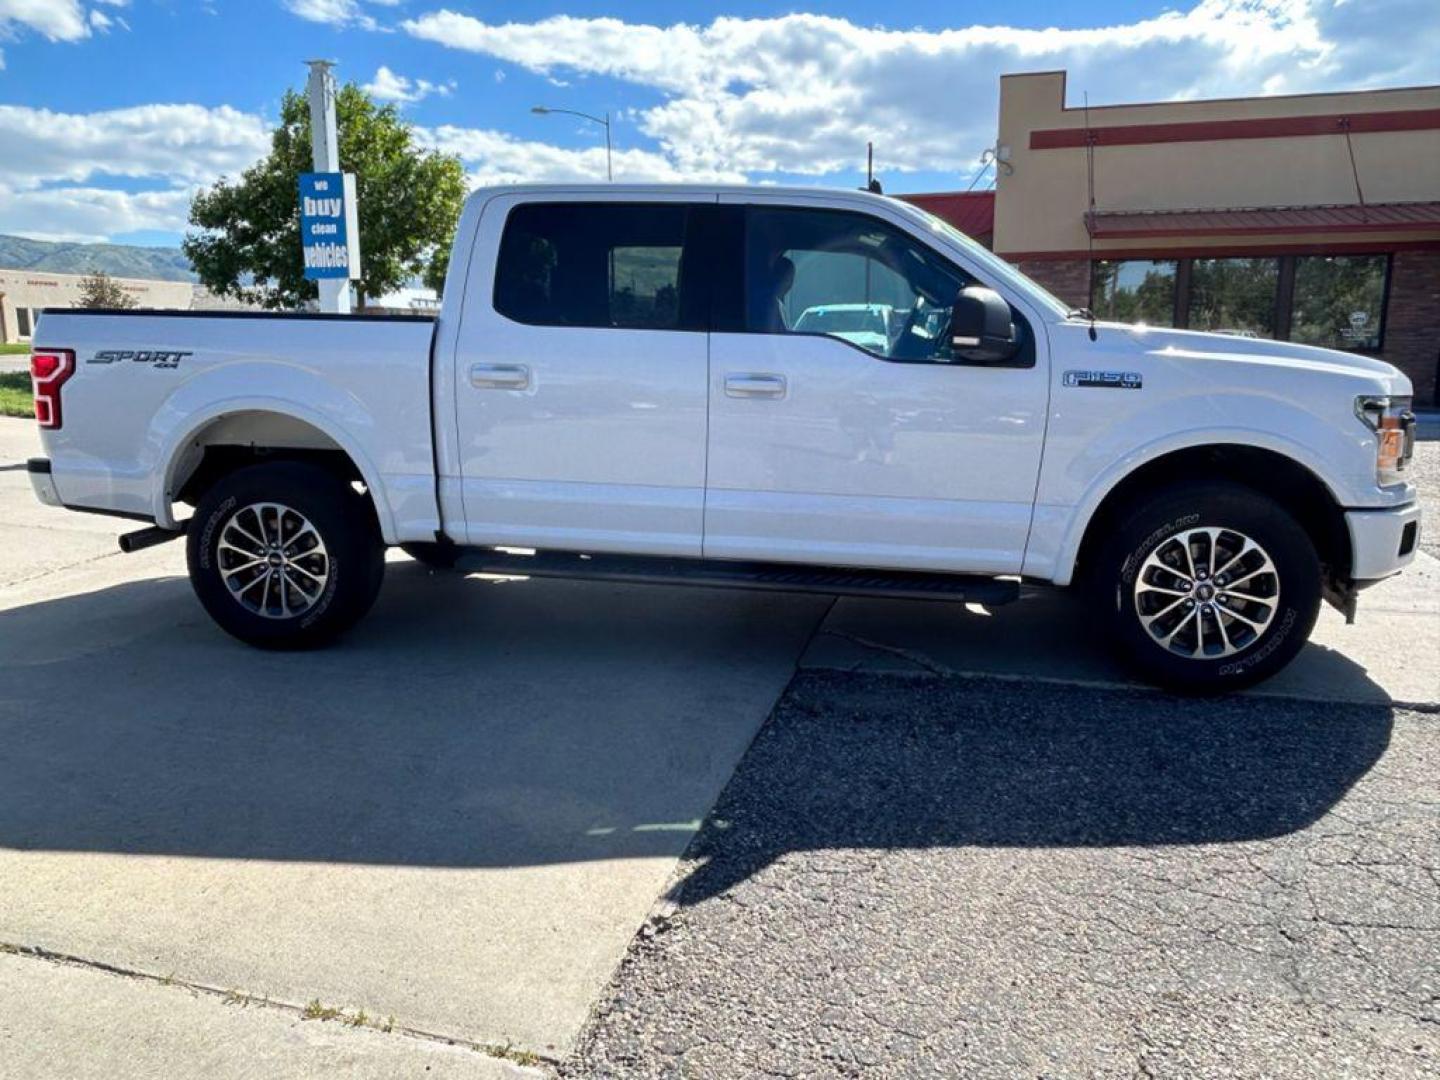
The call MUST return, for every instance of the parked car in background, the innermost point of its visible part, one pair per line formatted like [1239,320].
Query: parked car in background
[865,325]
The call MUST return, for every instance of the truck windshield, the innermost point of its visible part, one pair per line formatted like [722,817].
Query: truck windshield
[995,267]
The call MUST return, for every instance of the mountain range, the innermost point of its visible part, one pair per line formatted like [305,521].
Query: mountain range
[117,260]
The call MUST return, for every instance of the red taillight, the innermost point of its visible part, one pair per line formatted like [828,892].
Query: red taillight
[48,371]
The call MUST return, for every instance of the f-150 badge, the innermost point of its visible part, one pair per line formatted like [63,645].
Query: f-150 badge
[155,357]
[1108,380]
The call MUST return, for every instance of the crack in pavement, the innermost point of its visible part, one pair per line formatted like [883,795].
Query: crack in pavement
[234,997]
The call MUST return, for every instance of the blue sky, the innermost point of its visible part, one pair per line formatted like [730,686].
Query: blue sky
[113,112]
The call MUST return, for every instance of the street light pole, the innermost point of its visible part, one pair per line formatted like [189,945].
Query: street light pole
[541,110]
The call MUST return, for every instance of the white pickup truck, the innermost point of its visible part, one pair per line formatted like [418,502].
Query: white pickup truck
[619,385]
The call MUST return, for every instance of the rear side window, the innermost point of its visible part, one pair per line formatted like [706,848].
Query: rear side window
[616,265]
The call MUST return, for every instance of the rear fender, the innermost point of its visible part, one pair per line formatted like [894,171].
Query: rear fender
[293,392]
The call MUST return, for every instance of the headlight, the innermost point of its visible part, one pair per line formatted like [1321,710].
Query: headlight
[1393,423]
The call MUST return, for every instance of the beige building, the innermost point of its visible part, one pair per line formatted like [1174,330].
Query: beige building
[1312,218]
[24,293]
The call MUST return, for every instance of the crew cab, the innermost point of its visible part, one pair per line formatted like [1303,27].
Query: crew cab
[622,383]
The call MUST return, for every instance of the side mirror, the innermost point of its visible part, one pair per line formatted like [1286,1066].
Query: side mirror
[981,330]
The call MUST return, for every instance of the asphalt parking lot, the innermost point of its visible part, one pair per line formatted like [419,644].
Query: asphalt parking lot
[958,843]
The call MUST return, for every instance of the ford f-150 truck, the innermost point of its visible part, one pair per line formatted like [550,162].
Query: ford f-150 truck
[620,384]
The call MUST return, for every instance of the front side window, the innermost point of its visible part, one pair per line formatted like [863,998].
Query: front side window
[1135,291]
[850,277]
[1338,300]
[1234,296]
[595,265]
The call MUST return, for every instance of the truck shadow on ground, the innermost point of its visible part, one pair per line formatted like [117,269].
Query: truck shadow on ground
[535,723]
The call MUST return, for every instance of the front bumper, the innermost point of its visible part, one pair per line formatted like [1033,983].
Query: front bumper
[1382,542]
[42,481]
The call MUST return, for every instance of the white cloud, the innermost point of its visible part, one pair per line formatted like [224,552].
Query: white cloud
[803,93]
[88,214]
[58,20]
[337,12]
[493,157]
[170,142]
[388,86]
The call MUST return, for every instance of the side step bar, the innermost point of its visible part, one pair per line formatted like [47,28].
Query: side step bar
[774,577]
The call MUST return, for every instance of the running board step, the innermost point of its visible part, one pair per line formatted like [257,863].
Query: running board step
[775,577]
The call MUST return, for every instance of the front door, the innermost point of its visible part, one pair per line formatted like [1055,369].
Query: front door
[581,375]
[842,430]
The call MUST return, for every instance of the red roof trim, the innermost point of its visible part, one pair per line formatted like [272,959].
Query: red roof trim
[1272,127]
[972,212]
[1273,220]
[1221,251]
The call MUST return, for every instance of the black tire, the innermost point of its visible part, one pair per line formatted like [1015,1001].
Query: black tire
[435,556]
[1163,525]
[352,560]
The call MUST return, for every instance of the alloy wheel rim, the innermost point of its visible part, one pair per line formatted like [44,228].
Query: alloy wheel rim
[272,560]
[1207,593]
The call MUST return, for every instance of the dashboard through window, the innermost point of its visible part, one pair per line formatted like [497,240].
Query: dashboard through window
[851,277]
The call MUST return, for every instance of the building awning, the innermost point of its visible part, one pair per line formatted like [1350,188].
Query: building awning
[1246,221]
[972,212]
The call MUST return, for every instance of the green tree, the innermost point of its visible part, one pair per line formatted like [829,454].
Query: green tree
[100,290]
[249,243]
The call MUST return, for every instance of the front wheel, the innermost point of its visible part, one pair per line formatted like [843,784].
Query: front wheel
[285,555]
[1208,587]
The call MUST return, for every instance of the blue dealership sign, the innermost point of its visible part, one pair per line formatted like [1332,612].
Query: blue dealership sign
[329,233]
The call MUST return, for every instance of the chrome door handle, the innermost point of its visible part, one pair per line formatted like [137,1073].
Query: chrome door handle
[500,376]
[755,386]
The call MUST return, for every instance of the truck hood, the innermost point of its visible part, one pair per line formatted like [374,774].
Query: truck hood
[1193,344]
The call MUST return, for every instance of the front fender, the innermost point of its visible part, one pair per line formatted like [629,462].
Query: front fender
[291,391]
[1065,546]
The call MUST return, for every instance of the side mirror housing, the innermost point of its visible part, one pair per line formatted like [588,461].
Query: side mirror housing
[981,329]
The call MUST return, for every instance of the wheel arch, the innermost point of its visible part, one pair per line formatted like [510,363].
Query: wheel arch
[238,434]
[1277,475]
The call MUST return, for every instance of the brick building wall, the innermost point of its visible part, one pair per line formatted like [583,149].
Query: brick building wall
[1412,320]
[1069,279]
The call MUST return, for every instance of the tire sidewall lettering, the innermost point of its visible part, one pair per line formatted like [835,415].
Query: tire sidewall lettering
[207,538]
[1131,567]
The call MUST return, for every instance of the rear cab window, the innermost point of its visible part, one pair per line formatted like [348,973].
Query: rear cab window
[601,265]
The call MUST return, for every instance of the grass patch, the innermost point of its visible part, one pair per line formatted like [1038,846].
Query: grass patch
[510,1053]
[15,394]
[316,1011]
[16,349]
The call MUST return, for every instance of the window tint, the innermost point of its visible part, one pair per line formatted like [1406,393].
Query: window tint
[1135,291]
[1234,296]
[1338,300]
[850,277]
[596,264]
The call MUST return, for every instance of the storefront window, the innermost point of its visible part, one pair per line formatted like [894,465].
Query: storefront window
[1135,291]
[1338,300]
[1234,296]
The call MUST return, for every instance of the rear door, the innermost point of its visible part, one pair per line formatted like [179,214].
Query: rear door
[842,429]
[581,376]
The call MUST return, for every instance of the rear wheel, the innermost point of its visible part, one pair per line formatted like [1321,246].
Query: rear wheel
[1208,587]
[285,555]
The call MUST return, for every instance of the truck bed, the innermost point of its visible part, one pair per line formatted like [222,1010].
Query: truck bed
[151,388]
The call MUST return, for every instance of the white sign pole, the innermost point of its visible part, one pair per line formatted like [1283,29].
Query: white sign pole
[325,147]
